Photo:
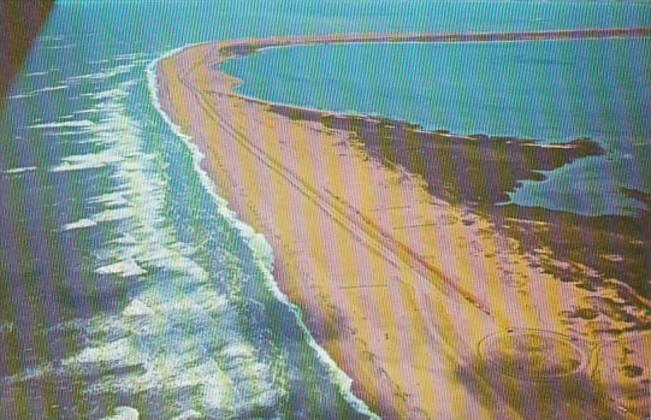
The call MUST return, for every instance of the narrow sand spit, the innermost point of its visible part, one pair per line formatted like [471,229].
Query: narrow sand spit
[432,310]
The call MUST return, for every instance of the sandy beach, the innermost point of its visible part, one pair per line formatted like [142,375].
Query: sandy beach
[437,303]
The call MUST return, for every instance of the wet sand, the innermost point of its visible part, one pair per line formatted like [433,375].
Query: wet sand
[436,302]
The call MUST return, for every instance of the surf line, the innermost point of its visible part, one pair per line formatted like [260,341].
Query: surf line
[262,253]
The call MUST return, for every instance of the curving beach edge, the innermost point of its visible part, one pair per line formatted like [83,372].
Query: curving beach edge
[431,304]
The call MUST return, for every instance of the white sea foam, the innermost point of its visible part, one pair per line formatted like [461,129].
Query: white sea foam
[126,268]
[87,111]
[189,415]
[124,413]
[129,57]
[20,96]
[103,61]
[185,265]
[27,375]
[157,254]
[50,89]
[107,74]
[61,47]
[64,124]
[36,92]
[55,133]
[125,239]
[259,246]
[113,351]
[137,309]
[163,344]
[86,161]
[106,94]
[218,389]
[68,167]
[36,74]
[112,215]
[15,171]
[79,224]
[102,157]
[6,326]
[110,199]
[262,249]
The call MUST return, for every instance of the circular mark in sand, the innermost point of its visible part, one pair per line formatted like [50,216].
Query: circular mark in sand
[534,355]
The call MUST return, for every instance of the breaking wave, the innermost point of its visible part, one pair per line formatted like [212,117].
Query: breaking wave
[257,243]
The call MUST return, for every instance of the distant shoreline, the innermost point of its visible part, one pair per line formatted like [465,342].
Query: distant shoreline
[241,47]
[397,284]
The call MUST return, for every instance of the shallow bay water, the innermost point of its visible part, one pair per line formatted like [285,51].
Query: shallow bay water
[550,91]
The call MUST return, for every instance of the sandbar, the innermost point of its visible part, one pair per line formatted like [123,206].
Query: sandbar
[435,301]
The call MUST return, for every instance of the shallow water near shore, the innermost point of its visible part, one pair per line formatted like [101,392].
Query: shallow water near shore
[130,282]
[550,91]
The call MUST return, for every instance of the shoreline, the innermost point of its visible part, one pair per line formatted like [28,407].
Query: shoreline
[332,288]
[264,260]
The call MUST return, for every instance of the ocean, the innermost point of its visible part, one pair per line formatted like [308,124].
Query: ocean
[126,282]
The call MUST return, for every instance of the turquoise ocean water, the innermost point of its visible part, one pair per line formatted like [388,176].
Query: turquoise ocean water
[125,280]
[552,91]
